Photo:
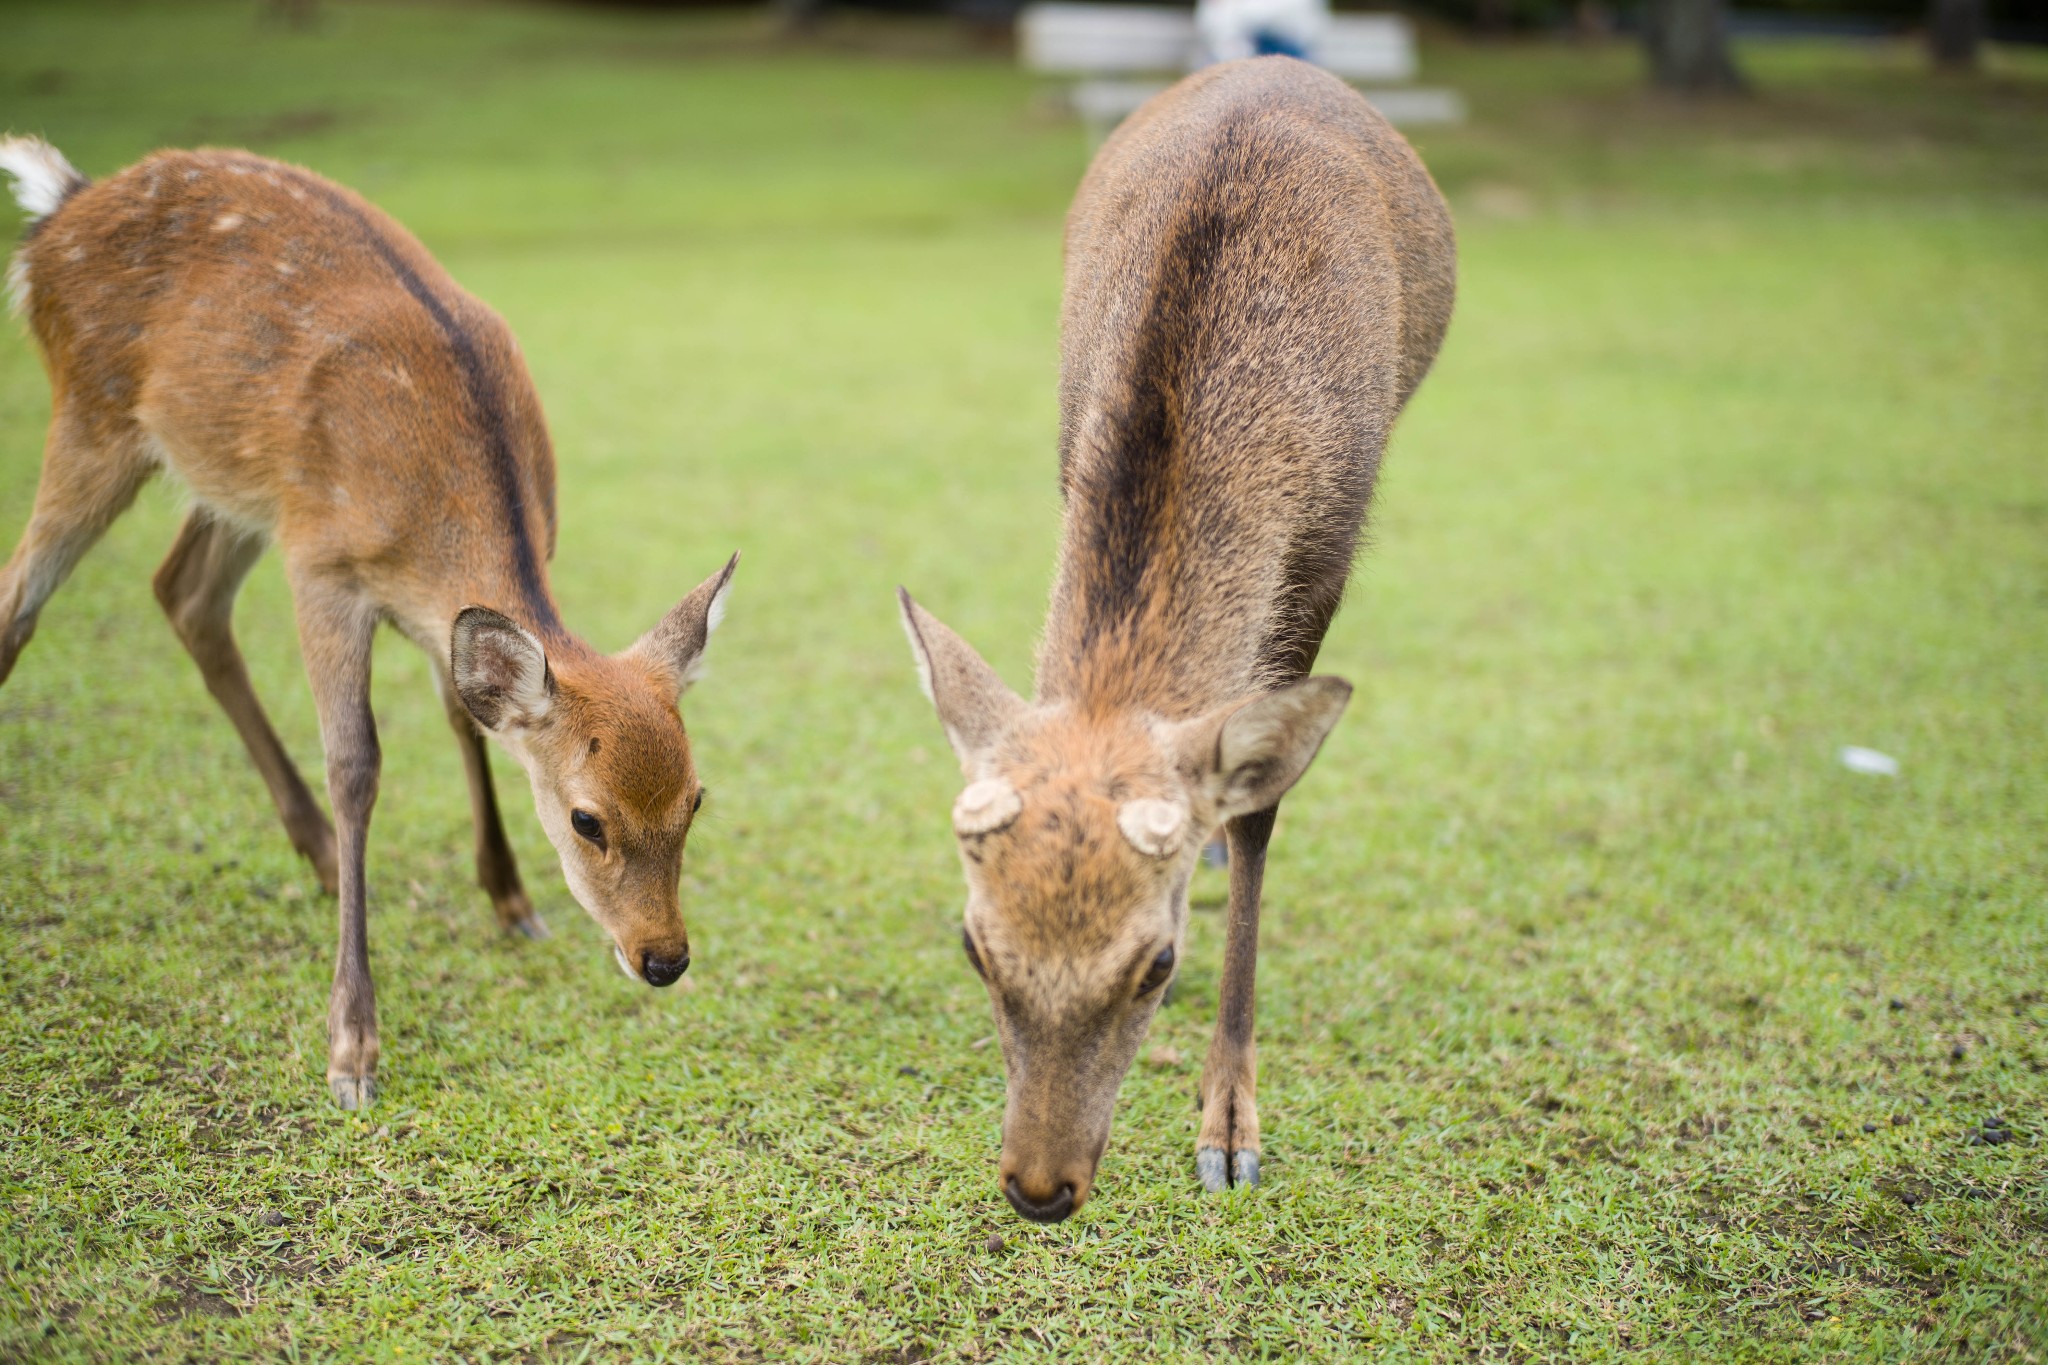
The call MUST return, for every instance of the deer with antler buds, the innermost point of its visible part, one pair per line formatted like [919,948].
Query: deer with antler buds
[308,371]
[1259,273]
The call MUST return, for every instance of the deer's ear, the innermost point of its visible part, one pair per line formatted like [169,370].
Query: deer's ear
[500,671]
[975,706]
[675,648]
[1245,756]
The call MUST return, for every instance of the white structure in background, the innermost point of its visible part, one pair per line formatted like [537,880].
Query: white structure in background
[1107,48]
[1232,29]
[1858,759]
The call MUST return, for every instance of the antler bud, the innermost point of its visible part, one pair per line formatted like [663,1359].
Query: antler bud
[1153,827]
[985,807]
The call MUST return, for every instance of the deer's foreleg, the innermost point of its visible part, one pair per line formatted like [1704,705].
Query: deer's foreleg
[1227,1146]
[335,629]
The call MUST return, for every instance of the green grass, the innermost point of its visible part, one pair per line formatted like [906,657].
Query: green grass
[1585,963]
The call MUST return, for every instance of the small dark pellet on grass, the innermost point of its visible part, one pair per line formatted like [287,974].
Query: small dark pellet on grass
[1869,1127]
[994,1243]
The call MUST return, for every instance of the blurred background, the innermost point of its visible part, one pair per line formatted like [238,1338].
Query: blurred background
[1607,998]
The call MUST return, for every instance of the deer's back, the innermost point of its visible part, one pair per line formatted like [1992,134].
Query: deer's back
[293,354]
[1259,273]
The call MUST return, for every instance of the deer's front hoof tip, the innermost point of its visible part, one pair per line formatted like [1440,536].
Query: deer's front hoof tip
[533,927]
[1220,1170]
[353,1092]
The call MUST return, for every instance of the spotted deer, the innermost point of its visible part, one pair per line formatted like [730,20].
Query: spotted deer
[298,361]
[1258,275]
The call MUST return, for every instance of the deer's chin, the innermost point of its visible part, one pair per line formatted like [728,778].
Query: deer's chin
[619,956]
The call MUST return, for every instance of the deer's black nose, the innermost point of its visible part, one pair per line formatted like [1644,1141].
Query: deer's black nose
[664,971]
[1052,1210]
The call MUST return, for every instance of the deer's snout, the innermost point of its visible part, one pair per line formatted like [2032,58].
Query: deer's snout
[663,969]
[656,960]
[1047,1188]
[1052,1209]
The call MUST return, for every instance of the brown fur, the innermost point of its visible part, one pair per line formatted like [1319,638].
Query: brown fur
[1259,273]
[313,376]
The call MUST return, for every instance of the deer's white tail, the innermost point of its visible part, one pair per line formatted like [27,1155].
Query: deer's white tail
[43,180]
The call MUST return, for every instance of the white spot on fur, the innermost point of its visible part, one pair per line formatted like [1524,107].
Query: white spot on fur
[1153,827]
[985,807]
[227,222]
[42,177]
[287,268]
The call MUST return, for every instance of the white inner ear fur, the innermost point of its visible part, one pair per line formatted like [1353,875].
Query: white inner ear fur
[923,660]
[1152,826]
[985,807]
[717,612]
[693,672]
[504,657]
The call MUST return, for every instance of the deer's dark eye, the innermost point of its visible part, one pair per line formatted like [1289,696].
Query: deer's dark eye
[697,804]
[1156,975]
[967,942]
[587,825]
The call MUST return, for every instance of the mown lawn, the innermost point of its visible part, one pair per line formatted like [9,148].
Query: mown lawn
[1604,1012]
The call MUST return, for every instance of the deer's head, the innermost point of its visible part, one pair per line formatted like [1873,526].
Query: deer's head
[603,745]
[1079,829]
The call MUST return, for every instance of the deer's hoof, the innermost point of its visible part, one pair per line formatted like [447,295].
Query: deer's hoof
[533,927]
[1220,1170]
[353,1092]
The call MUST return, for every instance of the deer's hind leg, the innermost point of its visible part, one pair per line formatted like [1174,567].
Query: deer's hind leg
[197,584]
[497,871]
[89,478]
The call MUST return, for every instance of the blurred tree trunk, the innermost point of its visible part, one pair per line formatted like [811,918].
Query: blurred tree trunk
[1954,30]
[798,17]
[1688,46]
[1490,18]
[300,14]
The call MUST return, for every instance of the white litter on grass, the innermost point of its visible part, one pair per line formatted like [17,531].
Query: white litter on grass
[1860,760]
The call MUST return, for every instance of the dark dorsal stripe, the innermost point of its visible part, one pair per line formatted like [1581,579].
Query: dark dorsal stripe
[1125,487]
[486,405]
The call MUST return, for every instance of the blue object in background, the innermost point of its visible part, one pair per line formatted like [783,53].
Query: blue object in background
[1269,42]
